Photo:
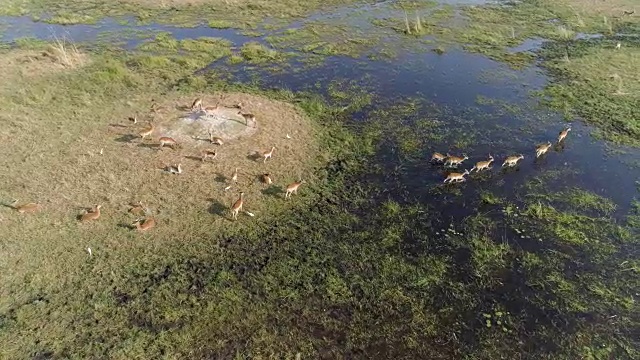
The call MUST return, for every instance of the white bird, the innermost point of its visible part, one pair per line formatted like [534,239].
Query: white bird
[89,251]
[227,188]
[250,214]
[618,46]
[288,137]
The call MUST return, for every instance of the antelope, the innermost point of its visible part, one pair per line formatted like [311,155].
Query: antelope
[144,225]
[437,157]
[563,134]
[237,206]
[214,139]
[137,208]
[174,169]
[208,153]
[293,189]
[155,108]
[627,12]
[457,177]
[209,109]
[483,165]
[197,103]
[267,154]
[512,160]
[234,176]
[266,178]
[94,214]
[146,132]
[455,160]
[170,142]
[248,117]
[26,208]
[542,149]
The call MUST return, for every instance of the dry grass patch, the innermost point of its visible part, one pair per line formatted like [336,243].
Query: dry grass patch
[57,57]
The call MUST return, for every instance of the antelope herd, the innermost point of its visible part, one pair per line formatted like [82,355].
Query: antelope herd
[147,221]
[511,161]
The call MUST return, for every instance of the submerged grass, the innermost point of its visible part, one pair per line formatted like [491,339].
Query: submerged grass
[326,39]
[256,53]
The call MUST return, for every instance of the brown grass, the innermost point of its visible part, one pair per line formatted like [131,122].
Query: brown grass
[130,169]
[32,63]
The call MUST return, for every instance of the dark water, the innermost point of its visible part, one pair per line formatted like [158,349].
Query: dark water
[453,81]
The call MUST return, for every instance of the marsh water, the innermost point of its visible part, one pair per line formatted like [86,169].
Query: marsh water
[477,106]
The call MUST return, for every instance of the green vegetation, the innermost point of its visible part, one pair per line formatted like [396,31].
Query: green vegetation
[362,263]
[256,53]
[238,13]
[599,84]
[221,24]
[326,39]
[171,59]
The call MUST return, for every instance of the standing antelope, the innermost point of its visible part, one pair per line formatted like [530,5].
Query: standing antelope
[457,177]
[563,134]
[211,109]
[248,117]
[437,157]
[144,225]
[267,154]
[237,206]
[94,214]
[542,149]
[197,103]
[167,141]
[234,176]
[26,208]
[147,131]
[455,160]
[512,160]
[483,165]
[293,189]
[208,153]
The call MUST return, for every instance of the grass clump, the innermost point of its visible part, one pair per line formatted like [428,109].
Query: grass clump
[257,53]
[221,24]
[326,39]
[172,59]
